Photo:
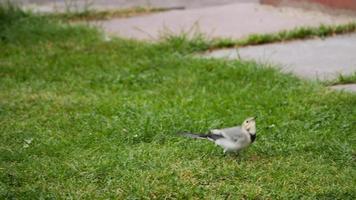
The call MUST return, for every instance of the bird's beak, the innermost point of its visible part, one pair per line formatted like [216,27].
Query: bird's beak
[255,117]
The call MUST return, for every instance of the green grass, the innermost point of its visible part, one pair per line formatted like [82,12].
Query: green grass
[104,14]
[81,118]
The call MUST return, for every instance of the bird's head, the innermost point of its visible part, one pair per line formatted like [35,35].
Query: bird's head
[250,125]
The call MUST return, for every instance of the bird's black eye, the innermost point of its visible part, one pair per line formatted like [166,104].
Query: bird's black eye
[247,121]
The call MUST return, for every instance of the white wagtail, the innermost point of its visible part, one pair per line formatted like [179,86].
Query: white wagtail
[231,139]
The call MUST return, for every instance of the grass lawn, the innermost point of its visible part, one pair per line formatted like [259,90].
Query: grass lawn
[82,118]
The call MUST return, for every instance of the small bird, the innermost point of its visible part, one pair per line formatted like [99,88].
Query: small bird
[231,139]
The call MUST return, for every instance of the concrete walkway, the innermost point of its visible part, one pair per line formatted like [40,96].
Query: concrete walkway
[345,87]
[79,5]
[233,20]
[312,59]
[215,18]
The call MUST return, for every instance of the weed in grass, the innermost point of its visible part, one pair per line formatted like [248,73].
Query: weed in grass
[90,15]
[77,6]
[342,79]
[189,41]
[298,33]
[258,39]
[102,119]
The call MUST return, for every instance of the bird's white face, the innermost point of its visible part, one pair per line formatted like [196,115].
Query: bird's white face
[250,125]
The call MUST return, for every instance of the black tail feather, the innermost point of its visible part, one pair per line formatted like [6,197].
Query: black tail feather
[209,136]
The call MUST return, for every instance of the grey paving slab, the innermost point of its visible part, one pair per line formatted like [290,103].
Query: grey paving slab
[346,87]
[62,5]
[233,20]
[321,59]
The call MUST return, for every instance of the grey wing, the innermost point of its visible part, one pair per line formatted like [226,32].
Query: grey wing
[233,133]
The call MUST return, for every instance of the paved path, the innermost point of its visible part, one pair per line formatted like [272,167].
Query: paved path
[346,87]
[216,18]
[61,5]
[233,20]
[312,59]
